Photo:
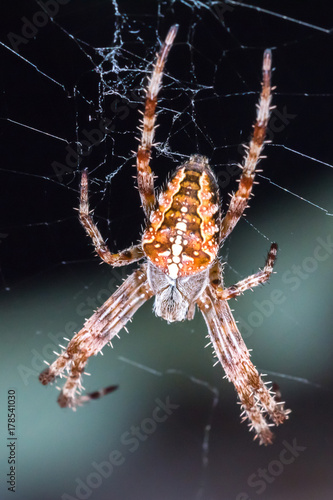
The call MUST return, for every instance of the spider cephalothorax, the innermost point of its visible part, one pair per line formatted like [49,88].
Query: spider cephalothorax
[180,244]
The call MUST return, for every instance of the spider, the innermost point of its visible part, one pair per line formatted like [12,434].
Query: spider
[184,231]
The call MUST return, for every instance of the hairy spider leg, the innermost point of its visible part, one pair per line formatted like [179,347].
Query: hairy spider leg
[132,254]
[239,200]
[234,356]
[248,283]
[145,175]
[97,331]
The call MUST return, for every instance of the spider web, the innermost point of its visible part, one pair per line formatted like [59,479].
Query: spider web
[73,78]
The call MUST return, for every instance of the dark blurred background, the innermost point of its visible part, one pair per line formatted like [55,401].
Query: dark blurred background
[62,81]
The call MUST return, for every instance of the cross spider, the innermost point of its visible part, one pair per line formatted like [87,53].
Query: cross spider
[180,244]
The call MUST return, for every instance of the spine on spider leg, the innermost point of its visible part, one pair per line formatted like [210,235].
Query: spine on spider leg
[260,127]
[87,221]
[97,331]
[145,175]
[122,258]
[234,356]
[261,277]
[239,200]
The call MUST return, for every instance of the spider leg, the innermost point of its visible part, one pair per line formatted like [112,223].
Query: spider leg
[97,331]
[145,175]
[239,200]
[258,278]
[231,351]
[123,258]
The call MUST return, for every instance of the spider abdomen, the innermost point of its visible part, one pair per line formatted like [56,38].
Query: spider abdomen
[182,236]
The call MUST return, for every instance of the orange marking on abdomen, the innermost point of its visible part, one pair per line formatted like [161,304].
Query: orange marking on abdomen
[182,236]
